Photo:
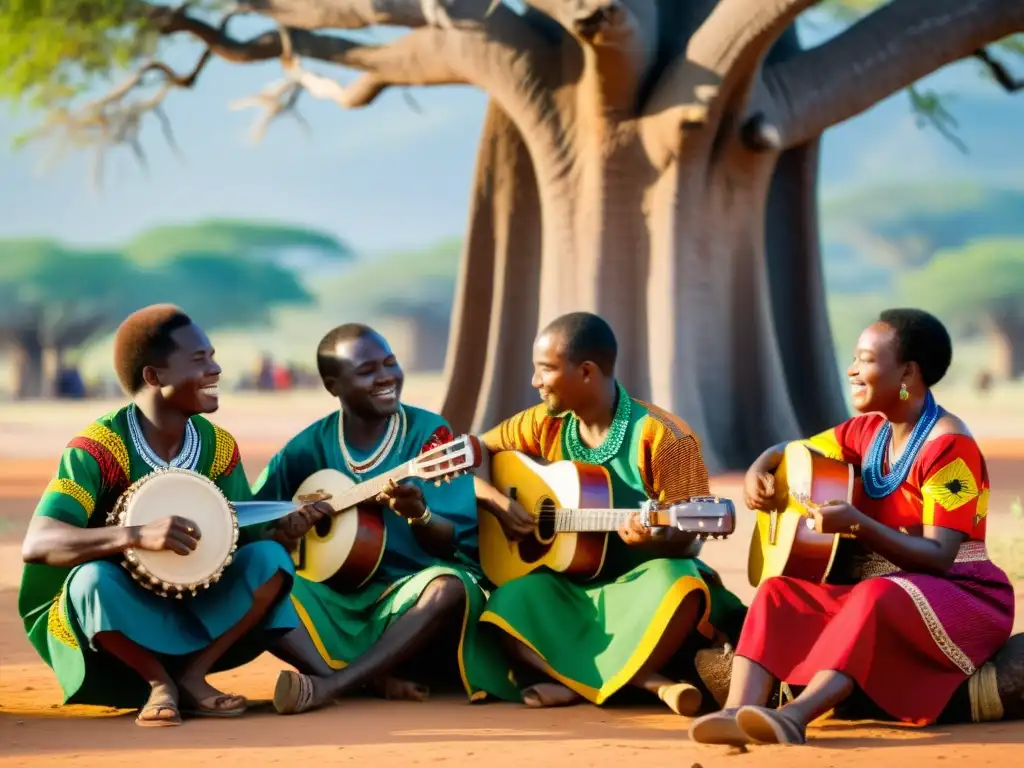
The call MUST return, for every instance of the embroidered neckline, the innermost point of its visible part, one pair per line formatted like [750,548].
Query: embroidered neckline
[188,456]
[394,436]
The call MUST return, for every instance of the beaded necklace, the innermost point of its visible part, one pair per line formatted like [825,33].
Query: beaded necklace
[609,447]
[394,434]
[188,456]
[878,484]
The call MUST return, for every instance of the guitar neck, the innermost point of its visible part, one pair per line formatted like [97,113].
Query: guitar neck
[367,489]
[599,520]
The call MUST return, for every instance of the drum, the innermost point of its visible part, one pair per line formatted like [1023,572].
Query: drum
[173,491]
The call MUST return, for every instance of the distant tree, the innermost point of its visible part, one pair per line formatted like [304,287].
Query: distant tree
[56,299]
[904,225]
[235,237]
[981,284]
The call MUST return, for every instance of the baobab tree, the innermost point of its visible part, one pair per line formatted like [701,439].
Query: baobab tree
[650,160]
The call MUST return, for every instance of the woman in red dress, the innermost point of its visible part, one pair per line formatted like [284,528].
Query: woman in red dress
[928,608]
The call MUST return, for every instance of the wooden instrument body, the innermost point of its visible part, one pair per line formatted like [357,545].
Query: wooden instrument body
[537,486]
[176,491]
[343,551]
[781,543]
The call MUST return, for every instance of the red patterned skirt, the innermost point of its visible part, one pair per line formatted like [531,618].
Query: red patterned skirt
[909,640]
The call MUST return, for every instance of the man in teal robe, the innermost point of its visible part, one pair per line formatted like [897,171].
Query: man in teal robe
[428,579]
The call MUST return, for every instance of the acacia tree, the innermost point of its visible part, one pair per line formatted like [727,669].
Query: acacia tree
[982,284]
[55,299]
[650,160]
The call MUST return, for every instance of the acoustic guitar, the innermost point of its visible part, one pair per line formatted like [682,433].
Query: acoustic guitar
[572,504]
[345,549]
[784,542]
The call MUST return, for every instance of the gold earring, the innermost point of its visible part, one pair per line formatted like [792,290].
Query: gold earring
[903,392]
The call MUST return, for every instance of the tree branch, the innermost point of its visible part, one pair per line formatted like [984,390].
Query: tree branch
[619,39]
[883,53]
[720,63]
[999,71]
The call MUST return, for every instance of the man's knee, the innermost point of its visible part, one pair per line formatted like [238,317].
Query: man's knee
[262,560]
[94,580]
[444,594]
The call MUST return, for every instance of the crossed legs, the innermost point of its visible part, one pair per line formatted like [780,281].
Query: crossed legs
[681,698]
[442,601]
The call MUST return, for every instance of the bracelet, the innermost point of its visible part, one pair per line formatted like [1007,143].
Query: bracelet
[423,519]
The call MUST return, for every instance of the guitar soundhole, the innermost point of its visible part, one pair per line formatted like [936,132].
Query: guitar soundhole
[546,520]
[323,526]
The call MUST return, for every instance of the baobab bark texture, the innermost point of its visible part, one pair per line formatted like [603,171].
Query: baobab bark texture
[653,161]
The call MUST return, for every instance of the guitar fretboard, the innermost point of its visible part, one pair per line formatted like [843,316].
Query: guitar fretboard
[586,520]
[367,489]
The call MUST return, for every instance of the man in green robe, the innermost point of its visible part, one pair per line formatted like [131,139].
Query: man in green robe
[427,581]
[653,596]
[109,640]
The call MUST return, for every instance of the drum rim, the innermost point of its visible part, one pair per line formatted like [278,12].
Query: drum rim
[137,568]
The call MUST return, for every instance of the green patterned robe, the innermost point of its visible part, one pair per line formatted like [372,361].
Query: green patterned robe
[343,626]
[594,637]
[64,608]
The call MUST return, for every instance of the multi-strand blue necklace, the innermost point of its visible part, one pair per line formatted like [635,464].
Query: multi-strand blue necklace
[878,484]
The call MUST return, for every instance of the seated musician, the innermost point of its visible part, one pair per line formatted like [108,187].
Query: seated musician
[425,589]
[653,594]
[927,608]
[109,640]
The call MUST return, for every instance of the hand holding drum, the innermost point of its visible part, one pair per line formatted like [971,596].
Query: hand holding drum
[174,533]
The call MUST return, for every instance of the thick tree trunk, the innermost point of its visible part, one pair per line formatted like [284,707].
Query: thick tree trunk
[29,374]
[1006,331]
[707,269]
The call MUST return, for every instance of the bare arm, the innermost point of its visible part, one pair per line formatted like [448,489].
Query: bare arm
[769,460]
[437,537]
[52,542]
[933,552]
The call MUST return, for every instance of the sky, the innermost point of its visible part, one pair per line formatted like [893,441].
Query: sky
[385,177]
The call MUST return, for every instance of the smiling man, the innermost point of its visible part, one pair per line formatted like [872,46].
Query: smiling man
[653,597]
[424,593]
[109,640]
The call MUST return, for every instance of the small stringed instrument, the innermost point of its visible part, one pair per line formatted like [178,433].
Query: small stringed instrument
[572,503]
[784,542]
[345,549]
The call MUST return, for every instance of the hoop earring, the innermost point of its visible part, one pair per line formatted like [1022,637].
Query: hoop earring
[903,392]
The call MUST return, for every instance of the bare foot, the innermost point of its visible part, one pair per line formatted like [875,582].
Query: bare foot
[296,693]
[200,699]
[549,695]
[682,698]
[161,709]
[394,689]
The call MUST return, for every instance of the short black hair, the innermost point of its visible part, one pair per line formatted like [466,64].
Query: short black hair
[144,338]
[586,337]
[921,338]
[326,351]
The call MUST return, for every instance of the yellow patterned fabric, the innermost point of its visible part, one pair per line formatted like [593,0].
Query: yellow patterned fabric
[826,443]
[112,442]
[57,622]
[223,452]
[950,488]
[70,488]
[534,432]
[669,457]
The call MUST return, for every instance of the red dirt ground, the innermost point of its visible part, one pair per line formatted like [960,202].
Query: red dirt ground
[34,730]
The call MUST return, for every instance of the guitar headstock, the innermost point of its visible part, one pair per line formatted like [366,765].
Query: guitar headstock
[707,516]
[443,462]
